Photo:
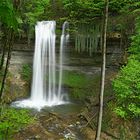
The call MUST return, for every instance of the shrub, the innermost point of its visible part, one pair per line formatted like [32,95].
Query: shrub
[26,72]
[127,89]
[12,120]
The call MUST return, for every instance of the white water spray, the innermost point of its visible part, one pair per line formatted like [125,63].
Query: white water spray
[44,91]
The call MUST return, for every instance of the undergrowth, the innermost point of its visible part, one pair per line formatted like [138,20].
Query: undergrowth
[13,120]
[26,72]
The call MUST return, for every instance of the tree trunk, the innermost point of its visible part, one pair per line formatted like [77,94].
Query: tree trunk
[3,55]
[4,45]
[98,133]
[10,45]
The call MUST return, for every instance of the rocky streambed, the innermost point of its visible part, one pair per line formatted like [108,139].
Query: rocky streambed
[54,123]
[63,122]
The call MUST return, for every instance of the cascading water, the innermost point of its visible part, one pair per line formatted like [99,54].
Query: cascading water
[44,91]
[44,64]
[63,43]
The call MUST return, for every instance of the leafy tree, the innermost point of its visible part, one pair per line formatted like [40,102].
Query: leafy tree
[31,12]
[135,45]
[9,20]
[55,10]
[89,9]
[7,14]
[127,89]
[127,83]
[83,10]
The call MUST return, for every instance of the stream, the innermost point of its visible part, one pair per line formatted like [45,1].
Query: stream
[54,123]
[59,122]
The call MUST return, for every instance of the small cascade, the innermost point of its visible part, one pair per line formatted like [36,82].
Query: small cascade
[44,91]
[63,43]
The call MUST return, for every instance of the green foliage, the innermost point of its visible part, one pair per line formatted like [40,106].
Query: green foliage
[26,72]
[87,10]
[13,120]
[83,10]
[55,10]
[8,15]
[135,45]
[127,88]
[127,84]
[72,10]
[129,6]
[32,10]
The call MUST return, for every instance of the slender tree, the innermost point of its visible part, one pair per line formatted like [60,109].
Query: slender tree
[10,22]
[102,73]
[4,44]
[10,45]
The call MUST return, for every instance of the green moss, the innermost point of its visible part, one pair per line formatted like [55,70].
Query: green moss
[80,85]
[74,79]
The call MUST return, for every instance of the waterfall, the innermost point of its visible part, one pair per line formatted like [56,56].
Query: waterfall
[44,64]
[63,43]
[44,91]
